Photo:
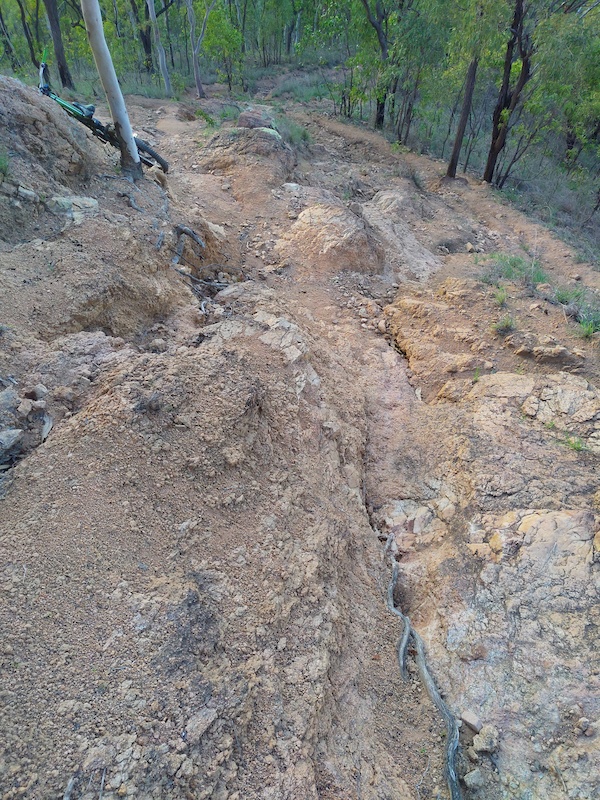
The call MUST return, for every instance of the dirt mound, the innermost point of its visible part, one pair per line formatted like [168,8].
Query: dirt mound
[262,148]
[44,153]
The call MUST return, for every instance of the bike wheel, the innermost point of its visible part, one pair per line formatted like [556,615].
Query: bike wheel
[150,157]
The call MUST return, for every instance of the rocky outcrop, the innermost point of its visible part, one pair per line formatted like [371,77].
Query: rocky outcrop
[261,147]
[405,256]
[332,237]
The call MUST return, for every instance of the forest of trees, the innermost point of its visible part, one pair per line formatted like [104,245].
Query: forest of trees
[508,89]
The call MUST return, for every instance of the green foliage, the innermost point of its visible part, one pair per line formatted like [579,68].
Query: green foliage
[229,113]
[500,296]
[4,164]
[302,88]
[587,329]
[574,443]
[504,326]
[514,268]
[223,44]
[589,319]
[292,133]
[566,296]
[200,113]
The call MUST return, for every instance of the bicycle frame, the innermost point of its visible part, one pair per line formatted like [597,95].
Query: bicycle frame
[105,133]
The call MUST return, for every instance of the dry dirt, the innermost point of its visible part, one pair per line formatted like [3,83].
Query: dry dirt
[207,470]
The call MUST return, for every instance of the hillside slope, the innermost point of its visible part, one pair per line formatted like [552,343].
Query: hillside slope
[208,469]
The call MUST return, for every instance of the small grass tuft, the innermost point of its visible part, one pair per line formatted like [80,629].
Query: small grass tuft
[575,443]
[229,113]
[200,113]
[586,329]
[292,133]
[565,296]
[504,266]
[504,326]
[4,164]
[500,296]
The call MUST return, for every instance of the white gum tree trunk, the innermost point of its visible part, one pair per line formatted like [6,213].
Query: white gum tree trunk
[162,59]
[130,158]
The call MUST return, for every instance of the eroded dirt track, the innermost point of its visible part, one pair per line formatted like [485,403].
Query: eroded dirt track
[193,561]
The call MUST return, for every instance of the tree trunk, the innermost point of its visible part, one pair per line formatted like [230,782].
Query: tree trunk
[197,43]
[162,58]
[507,98]
[59,50]
[191,15]
[130,158]
[380,113]
[464,117]
[502,117]
[145,36]
[9,49]
[379,24]
[168,27]
[27,33]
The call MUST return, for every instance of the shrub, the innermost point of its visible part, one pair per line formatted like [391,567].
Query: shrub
[514,268]
[504,326]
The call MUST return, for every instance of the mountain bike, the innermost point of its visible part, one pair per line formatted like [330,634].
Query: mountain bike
[106,133]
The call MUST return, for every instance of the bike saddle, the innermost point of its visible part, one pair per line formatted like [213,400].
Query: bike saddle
[87,110]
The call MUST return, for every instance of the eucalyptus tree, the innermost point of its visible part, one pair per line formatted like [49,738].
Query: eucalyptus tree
[130,158]
[379,13]
[57,41]
[196,41]
[162,58]
[476,28]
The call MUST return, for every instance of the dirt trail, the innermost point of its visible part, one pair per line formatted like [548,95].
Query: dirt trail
[193,564]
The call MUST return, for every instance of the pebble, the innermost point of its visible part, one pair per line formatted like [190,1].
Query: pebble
[158,345]
[25,408]
[38,392]
[9,438]
[472,720]
[474,779]
[582,725]
[487,740]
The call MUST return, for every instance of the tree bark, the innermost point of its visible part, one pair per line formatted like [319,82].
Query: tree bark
[28,36]
[507,97]
[59,50]
[162,58]
[197,43]
[378,22]
[464,117]
[145,35]
[130,158]
[8,45]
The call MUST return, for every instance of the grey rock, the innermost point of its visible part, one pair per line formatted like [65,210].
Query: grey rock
[75,208]
[487,740]
[474,779]
[9,438]
[472,720]
[254,119]
[199,724]
[38,392]
[9,400]
[158,345]
[25,408]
